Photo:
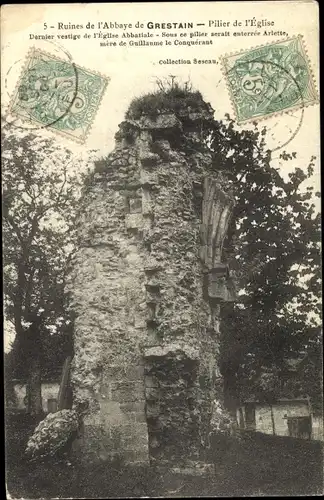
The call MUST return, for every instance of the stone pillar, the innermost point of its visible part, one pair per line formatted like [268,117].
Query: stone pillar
[146,320]
[108,299]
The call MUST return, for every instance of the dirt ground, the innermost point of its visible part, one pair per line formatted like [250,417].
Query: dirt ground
[256,465]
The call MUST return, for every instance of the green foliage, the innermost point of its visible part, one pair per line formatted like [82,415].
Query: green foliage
[41,189]
[273,247]
[52,351]
[39,206]
[171,97]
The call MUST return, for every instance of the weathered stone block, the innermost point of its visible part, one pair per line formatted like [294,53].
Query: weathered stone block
[134,436]
[153,285]
[127,385]
[152,298]
[163,149]
[154,338]
[134,221]
[145,138]
[151,381]
[147,222]
[130,417]
[221,288]
[114,372]
[134,406]
[135,372]
[100,166]
[153,410]
[127,391]
[151,265]
[137,456]
[148,178]
[135,205]
[152,393]
[148,158]
[162,121]
[120,374]
[139,323]
[110,413]
[139,417]
[161,145]
[173,348]
[95,444]
[146,202]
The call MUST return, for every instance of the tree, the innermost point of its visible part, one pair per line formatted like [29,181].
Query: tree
[41,189]
[273,247]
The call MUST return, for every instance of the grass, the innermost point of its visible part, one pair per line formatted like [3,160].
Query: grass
[256,465]
[60,480]
[171,99]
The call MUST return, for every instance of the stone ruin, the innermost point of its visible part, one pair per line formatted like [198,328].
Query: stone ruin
[146,287]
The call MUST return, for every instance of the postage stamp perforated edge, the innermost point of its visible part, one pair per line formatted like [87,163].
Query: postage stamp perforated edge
[80,140]
[302,105]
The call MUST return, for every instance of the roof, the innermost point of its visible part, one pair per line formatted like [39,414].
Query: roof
[44,381]
[281,400]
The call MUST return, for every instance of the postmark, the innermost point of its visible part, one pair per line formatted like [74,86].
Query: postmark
[57,94]
[268,80]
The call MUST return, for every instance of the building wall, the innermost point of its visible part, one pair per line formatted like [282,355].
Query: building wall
[317,428]
[281,411]
[20,393]
[49,391]
[263,420]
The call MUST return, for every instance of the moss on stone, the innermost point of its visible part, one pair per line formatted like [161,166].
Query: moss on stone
[172,100]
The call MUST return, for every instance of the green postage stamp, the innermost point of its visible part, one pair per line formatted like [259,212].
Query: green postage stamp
[57,94]
[269,79]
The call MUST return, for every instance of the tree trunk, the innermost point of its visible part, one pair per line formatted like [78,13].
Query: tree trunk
[33,358]
[230,393]
[34,386]
[272,420]
[63,395]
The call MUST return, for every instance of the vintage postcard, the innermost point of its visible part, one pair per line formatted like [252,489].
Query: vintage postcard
[162,249]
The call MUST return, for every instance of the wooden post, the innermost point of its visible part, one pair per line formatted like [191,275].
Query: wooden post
[272,420]
[61,398]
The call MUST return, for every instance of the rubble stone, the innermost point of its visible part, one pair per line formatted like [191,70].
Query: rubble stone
[146,349]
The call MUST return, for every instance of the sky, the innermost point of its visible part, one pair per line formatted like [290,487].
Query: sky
[133,70]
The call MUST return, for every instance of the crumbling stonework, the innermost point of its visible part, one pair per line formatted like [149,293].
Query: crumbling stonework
[146,287]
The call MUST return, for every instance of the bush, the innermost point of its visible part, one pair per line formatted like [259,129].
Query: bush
[170,98]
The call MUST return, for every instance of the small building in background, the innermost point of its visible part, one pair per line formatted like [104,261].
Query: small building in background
[18,400]
[285,417]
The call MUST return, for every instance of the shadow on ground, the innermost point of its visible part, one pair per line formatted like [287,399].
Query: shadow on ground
[253,465]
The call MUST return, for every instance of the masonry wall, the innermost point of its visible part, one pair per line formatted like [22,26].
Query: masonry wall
[317,428]
[145,344]
[49,391]
[280,413]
